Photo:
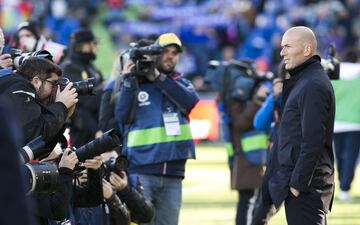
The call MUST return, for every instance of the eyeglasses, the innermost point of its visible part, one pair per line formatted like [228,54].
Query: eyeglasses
[52,82]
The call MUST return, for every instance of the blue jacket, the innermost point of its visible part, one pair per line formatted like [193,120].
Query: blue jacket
[146,145]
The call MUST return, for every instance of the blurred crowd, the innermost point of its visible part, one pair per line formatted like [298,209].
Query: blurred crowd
[209,29]
[244,28]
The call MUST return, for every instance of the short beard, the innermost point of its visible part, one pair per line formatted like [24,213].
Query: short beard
[42,100]
[161,69]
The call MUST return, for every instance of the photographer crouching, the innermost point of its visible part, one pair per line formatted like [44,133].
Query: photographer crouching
[124,198]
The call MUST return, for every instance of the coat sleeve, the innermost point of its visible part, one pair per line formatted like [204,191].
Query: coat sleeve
[180,91]
[141,209]
[119,214]
[263,117]
[91,195]
[314,105]
[126,103]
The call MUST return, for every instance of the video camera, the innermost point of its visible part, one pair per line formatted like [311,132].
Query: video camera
[331,64]
[42,176]
[234,79]
[143,66]
[84,87]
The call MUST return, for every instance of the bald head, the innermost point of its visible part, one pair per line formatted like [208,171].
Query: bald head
[305,35]
[298,44]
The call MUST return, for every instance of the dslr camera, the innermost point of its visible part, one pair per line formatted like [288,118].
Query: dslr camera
[116,165]
[84,87]
[143,65]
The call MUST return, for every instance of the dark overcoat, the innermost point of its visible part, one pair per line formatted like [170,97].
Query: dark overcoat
[303,155]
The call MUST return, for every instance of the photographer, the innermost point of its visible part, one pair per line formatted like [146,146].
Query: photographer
[40,106]
[54,207]
[152,115]
[130,192]
[122,197]
[246,176]
[241,91]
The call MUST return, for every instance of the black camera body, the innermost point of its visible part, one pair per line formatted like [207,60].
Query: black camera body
[83,87]
[234,79]
[143,65]
[116,165]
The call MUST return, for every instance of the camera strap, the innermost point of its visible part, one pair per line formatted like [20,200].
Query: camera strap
[105,213]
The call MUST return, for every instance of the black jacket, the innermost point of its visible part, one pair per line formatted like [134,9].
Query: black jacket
[35,118]
[119,214]
[141,209]
[304,144]
[84,121]
[15,209]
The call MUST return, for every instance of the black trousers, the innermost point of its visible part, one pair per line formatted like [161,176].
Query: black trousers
[301,210]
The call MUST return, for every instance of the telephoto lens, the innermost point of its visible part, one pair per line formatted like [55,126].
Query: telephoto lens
[42,178]
[107,142]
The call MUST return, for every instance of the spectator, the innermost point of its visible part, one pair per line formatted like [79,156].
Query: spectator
[79,66]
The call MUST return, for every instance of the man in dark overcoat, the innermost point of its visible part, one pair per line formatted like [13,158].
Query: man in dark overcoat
[304,177]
